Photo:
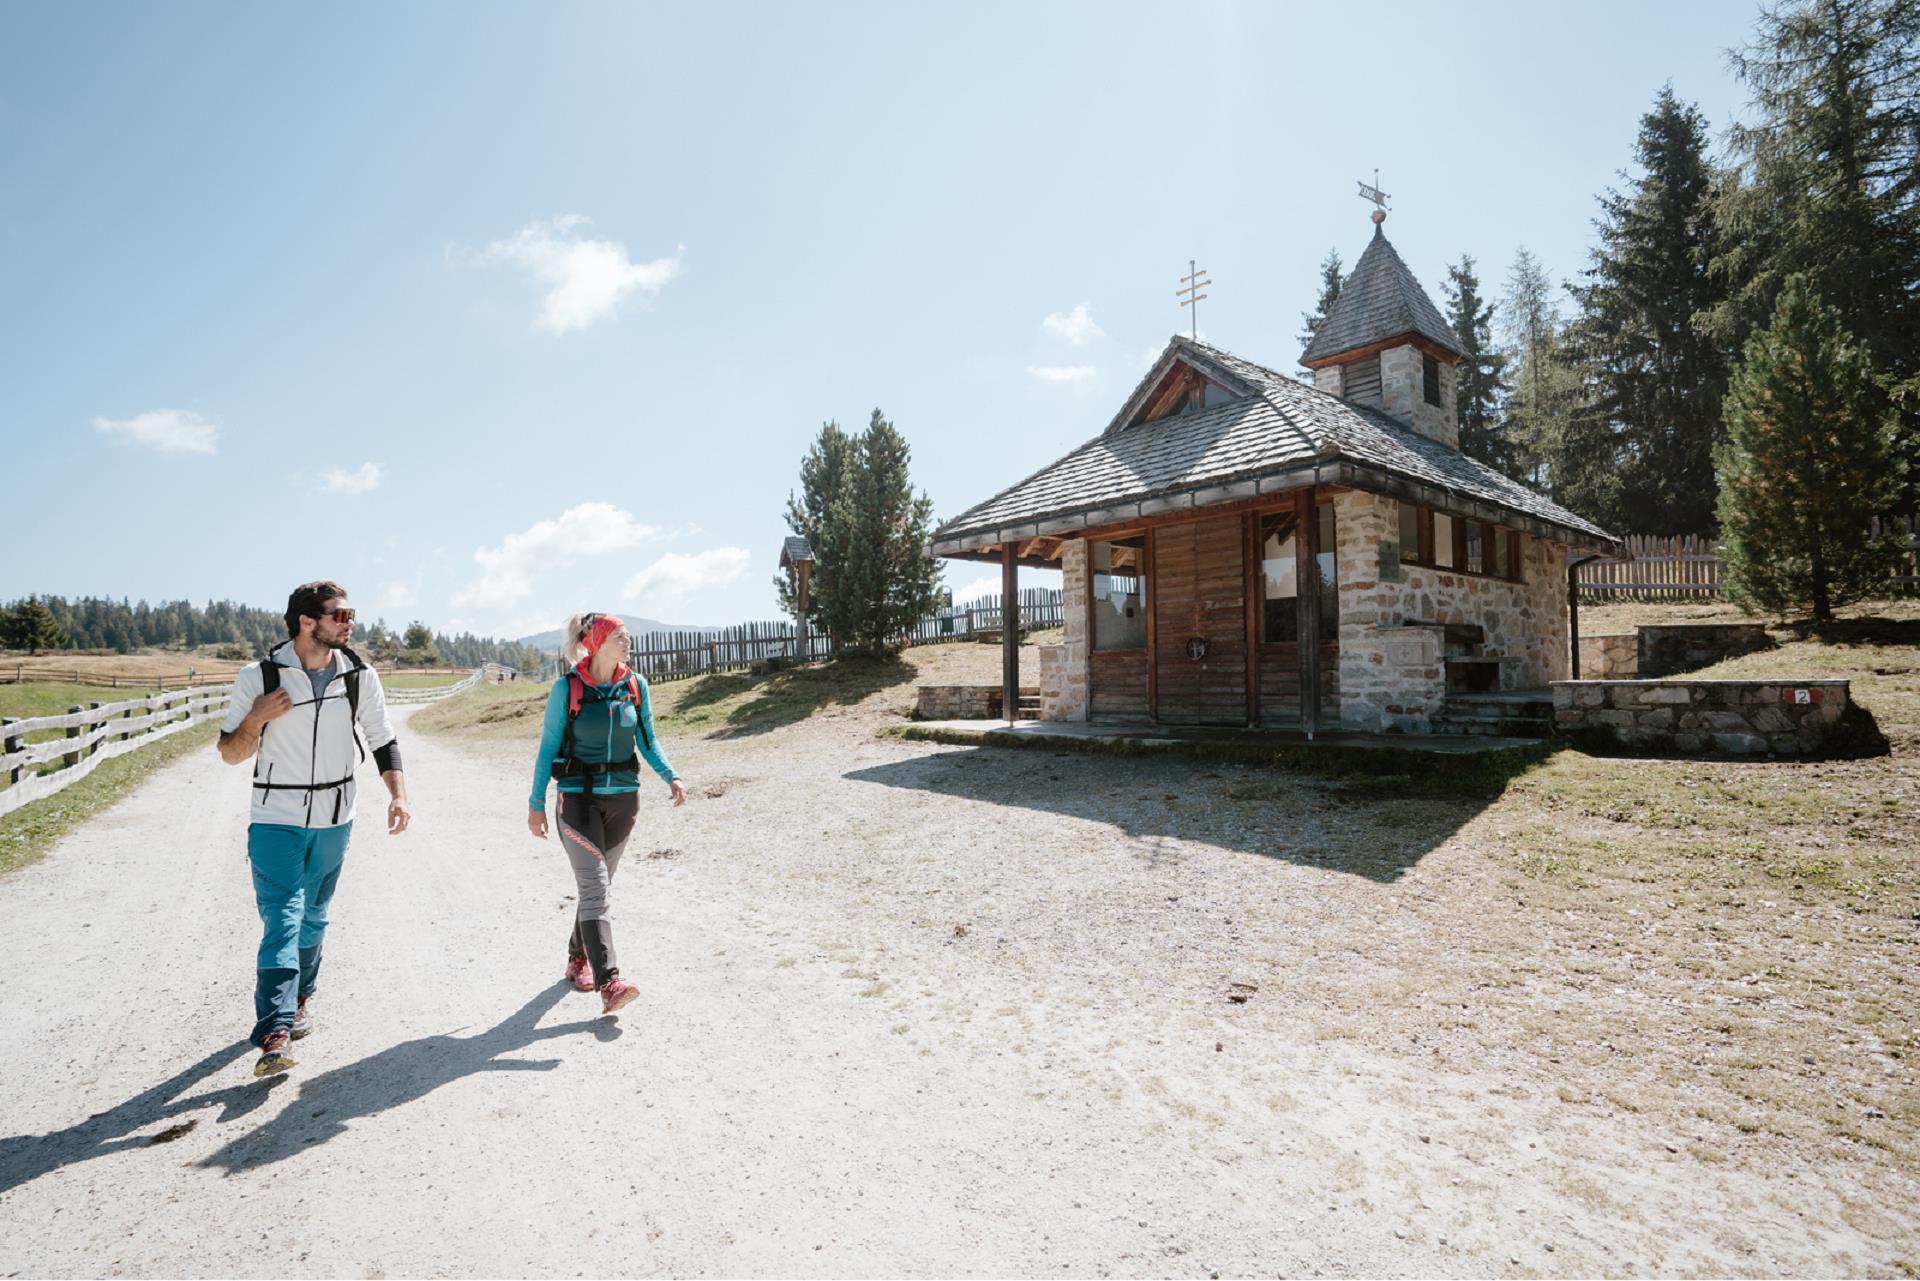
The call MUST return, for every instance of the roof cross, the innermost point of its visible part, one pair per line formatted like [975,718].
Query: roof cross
[1194,284]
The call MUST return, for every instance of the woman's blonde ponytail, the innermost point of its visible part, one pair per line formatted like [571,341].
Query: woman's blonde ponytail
[573,639]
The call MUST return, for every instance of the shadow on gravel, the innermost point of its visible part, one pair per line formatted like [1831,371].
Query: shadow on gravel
[1388,809]
[398,1076]
[25,1157]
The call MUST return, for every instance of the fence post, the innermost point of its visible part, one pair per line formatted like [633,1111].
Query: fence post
[14,742]
[73,731]
[125,715]
[102,720]
[713,655]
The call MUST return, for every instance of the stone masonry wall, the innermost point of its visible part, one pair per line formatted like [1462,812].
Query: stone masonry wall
[1064,667]
[1612,657]
[1785,718]
[1666,648]
[1403,394]
[962,702]
[1391,676]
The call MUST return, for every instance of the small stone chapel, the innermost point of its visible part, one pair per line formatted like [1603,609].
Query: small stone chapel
[1240,548]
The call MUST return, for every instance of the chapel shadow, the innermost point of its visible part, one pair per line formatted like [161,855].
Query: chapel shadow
[25,1157]
[1379,819]
[400,1075]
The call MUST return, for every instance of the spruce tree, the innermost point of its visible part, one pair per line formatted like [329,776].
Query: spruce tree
[1481,373]
[1655,377]
[1811,459]
[1329,292]
[824,476]
[887,580]
[31,626]
[1829,179]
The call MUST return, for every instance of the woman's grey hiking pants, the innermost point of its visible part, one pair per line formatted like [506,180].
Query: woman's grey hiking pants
[594,831]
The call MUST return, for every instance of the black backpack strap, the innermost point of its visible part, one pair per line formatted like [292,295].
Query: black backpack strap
[269,675]
[352,677]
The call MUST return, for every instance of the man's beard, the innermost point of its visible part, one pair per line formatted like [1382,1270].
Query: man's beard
[331,643]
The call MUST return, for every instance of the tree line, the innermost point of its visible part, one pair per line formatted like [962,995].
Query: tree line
[1742,354]
[37,623]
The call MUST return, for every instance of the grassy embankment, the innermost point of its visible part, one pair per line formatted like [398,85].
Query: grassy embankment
[31,830]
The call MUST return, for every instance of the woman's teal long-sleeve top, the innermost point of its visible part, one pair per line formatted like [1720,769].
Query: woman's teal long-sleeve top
[553,731]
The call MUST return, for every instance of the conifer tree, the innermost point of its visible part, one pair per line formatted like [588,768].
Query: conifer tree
[1481,373]
[1330,280]
[1811,458]
[824,477]
[31,626]
[1545,395]
[1829,179]
[1655,377]
[887,580]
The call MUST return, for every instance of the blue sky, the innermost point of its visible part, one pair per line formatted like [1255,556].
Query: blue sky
[497,312]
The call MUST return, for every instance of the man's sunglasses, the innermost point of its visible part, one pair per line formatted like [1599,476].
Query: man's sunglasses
[340,616]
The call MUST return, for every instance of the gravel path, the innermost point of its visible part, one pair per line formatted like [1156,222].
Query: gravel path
[909,1010]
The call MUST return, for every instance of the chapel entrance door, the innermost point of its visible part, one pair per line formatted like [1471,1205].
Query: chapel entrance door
[1200,622]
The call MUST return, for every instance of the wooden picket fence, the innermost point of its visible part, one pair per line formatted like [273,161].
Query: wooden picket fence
[1689,568]
[1040,607]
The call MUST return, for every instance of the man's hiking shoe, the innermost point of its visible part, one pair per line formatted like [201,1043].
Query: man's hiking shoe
[617,994]
[580,974]
[302,1020]
[273,1056]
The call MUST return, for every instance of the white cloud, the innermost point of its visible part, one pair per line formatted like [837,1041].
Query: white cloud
[591,529]
[1075,326]
[972,591]
[675,574]
[398,596]
[171,431]
[362,479]
[1062,373]
[587,280]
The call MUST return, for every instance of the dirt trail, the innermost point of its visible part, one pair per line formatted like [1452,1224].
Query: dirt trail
[887,1030]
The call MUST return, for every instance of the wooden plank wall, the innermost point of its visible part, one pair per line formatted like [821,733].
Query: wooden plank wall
[1280,684]
[1118,683]
[1199,589]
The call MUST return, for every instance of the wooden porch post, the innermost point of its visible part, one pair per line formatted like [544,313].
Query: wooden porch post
[1306,545]
[1010,631]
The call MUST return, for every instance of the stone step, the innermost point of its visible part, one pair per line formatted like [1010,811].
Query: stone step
[1505,721]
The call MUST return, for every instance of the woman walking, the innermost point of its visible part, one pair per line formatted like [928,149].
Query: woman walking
[599,726]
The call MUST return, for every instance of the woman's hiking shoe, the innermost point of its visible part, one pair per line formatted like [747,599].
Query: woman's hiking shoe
[273,1055]
[302,1020]
[617,994]
[580,974]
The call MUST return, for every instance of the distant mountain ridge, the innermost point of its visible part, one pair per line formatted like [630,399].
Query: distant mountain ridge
[550,641]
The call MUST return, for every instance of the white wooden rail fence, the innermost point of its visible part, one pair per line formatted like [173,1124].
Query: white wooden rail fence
[106,730]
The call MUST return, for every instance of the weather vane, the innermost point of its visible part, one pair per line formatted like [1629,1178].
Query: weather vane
[1193,283]
[1378,197]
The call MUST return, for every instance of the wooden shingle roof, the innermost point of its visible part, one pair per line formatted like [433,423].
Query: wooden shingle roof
[1379,300]
[794,550]
[1280,435]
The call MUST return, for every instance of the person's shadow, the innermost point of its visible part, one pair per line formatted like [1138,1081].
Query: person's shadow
[397,1076]
[25,1157]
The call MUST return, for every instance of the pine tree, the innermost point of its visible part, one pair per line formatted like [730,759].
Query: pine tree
[1329,291]
[31,626]
[1481,373]
[1830,179]
[887,580]
[1811,458]
[824,476]
[1655,376]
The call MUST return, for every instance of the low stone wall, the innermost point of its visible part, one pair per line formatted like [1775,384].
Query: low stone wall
[1613,657]
[962,702]
[1736,717]
[1687,647]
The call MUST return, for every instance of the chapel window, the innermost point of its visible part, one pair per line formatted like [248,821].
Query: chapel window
[1118,589]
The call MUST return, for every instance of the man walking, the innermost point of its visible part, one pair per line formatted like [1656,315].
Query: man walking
[299,715]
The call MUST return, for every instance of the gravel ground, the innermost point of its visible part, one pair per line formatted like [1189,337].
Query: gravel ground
[909,1010]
